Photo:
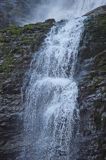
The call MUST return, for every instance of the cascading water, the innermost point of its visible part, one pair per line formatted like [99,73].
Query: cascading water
[52,94]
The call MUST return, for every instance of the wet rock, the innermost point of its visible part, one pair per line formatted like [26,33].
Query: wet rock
[17,45]
[92,87]
[97,11]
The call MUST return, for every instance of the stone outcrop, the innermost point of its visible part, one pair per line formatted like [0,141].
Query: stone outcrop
[97,11]
[92,87]
[17,45]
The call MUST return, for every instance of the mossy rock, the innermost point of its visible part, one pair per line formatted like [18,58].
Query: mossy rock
[17,45]
[7,64]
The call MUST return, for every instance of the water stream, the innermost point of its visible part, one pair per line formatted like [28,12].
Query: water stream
[51,95]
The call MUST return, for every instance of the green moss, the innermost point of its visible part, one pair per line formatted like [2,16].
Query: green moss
[42,26]
[39,26]
[7,64]
[13,30]
[16,40]
[29,27]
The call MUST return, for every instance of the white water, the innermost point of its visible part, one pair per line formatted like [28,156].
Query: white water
[52,94]
[62,9]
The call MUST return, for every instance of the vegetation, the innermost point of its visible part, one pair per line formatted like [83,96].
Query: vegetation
[16,41]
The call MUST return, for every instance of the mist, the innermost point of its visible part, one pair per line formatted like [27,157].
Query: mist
[60,9]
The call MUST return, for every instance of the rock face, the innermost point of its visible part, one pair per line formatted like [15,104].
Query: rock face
[92,87]
[97,11]
[17,45]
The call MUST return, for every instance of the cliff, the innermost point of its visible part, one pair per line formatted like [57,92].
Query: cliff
[17,45]
[92,86]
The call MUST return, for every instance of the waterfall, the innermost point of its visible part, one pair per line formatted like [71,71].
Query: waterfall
[51,96]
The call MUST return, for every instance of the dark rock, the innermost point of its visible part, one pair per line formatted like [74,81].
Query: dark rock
[92,87]
[17,45]
[97,11]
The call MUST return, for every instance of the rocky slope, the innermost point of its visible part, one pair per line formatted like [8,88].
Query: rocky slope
[92,87]
[17,45]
